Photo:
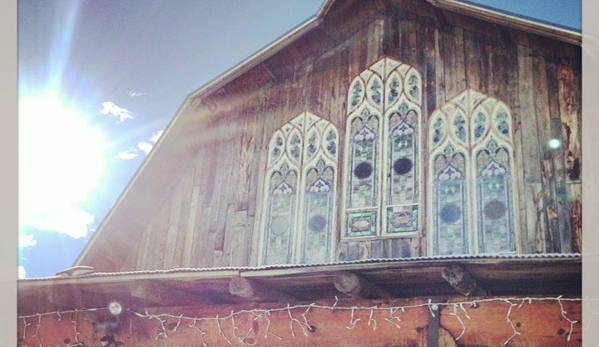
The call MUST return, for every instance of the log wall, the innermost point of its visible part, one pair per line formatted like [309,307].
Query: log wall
[400,323]
[211,218]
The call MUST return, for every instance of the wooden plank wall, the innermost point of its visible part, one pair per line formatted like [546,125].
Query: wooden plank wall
[212,218]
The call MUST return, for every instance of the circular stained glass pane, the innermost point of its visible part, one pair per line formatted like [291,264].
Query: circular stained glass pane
[279,225]
[450,213]
[495,209]
[317,223]
[402,166]
[363,170]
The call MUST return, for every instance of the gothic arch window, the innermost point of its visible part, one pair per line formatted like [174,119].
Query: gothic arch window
[300,191]
[382,194]
[471,208]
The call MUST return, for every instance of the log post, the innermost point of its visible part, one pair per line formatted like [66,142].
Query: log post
[461,281]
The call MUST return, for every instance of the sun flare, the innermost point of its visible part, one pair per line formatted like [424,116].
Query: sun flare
[61,160]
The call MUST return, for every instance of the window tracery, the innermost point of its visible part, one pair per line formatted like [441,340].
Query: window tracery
[382,159]
[300,192]
[470,167]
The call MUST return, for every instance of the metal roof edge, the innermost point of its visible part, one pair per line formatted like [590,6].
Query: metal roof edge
[228,272]
[518,22]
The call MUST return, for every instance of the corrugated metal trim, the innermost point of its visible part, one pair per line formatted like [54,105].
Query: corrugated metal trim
[539,256]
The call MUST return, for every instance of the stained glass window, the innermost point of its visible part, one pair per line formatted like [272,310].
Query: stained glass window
[382,164]
[299,221]
[470,165]
[450,210]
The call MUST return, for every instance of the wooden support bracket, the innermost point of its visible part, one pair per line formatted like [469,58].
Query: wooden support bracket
[461,281]
[358,287]
[248,289]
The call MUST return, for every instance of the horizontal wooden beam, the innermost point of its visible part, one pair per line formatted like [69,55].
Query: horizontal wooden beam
[249,289]
[160,294]
[357,287]
[346,322]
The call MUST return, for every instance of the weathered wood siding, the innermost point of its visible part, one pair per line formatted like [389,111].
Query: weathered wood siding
[212,216]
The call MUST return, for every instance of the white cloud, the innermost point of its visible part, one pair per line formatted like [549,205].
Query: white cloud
[26,240]
[70,220]
[109,108]
[128,154]
[135,94]
[145,147]
[22,272]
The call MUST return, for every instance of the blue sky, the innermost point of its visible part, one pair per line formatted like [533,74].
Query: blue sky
[100,80]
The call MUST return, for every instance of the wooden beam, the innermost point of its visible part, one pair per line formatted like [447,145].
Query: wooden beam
[248,289]
[348,322]
[461,281]
[434,317]
[67,297]
[357,287]
[160,294]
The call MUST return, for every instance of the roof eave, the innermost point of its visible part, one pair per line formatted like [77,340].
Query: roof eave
[516,22]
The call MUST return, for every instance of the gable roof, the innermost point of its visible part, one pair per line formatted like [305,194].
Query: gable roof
[110,244]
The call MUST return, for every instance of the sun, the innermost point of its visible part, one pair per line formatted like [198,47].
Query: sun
[61,162]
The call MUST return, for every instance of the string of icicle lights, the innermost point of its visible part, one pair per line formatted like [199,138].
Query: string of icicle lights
[299,318]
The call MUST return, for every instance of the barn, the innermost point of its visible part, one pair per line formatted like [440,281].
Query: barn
[389,173]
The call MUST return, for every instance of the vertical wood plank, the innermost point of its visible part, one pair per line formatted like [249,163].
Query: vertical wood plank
[353,251]
[550,207]
[341,251]
[183,219]
[528,145]
[142,249]
[401,248]
[473,57]
[376,249]
[448,58]
[204,238]
[542,104]
[411,53]
[364,250]
[439,70]
[159,231]
[570,123]
[172,229]
[235,247]
[575,199]
[429,73]
[460,67]
[374,39]
[191,227]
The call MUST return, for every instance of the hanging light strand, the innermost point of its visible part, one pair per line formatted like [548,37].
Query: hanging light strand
[393,317]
